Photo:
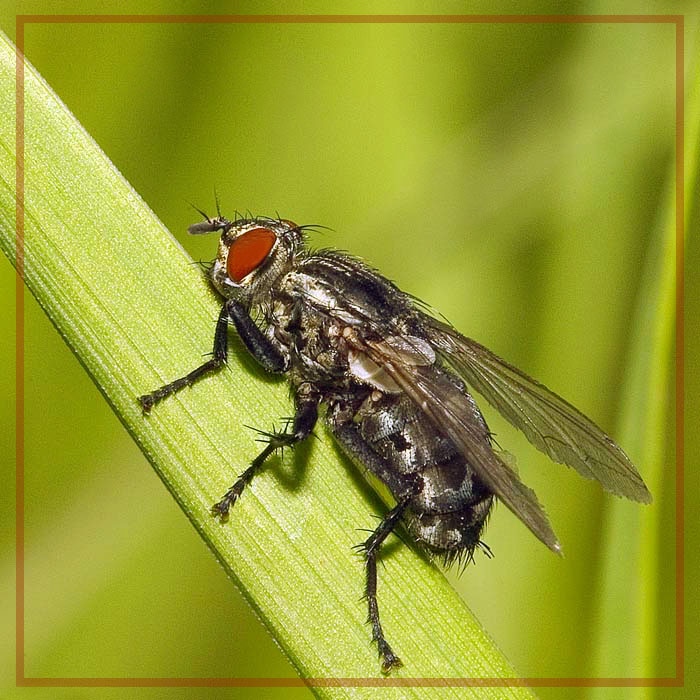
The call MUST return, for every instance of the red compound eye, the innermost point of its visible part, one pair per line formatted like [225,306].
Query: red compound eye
[248,251]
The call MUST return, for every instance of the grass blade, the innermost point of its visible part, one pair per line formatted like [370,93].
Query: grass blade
[636,596]
[136,313]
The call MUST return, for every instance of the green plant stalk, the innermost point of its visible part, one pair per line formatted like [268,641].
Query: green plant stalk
[629,598]
[136,312]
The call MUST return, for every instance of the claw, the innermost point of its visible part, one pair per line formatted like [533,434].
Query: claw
[146,402]
[391,662]
[220,510]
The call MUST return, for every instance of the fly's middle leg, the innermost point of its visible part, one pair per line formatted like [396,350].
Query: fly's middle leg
[304,422]
[371,548]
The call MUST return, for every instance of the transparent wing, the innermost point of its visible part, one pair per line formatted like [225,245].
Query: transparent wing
[550,423]
[457,414]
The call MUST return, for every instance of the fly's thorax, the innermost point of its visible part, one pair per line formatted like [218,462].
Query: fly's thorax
[317,347]
[345,287]
[253,256]
[325,295]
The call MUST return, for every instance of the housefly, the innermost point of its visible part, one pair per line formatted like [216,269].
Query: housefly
[396,385]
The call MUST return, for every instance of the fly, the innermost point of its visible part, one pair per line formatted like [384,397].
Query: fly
[396,385]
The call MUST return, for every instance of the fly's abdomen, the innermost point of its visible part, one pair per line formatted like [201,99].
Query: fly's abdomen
[449,512]
[391,438]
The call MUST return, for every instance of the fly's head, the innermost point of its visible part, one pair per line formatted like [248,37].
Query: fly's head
[253,255]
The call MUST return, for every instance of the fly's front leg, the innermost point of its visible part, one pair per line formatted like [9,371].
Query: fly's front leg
[371,548]
[262,348]
[217,361]
[304,422]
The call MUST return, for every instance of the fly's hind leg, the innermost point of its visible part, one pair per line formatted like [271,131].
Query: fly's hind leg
[371,548]
[304,421]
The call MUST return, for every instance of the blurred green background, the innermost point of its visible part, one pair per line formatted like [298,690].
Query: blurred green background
[515,177]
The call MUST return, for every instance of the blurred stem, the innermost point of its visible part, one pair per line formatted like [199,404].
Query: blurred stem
[632,598]
[135,312]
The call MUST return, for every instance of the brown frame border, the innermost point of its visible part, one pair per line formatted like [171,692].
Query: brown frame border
[678,679]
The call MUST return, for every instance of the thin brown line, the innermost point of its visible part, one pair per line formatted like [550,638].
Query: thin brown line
[676,681]
[353,19]
[680,353]
[354,682]
[19,349]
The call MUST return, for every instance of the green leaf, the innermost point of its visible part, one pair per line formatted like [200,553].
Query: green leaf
[137,313]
